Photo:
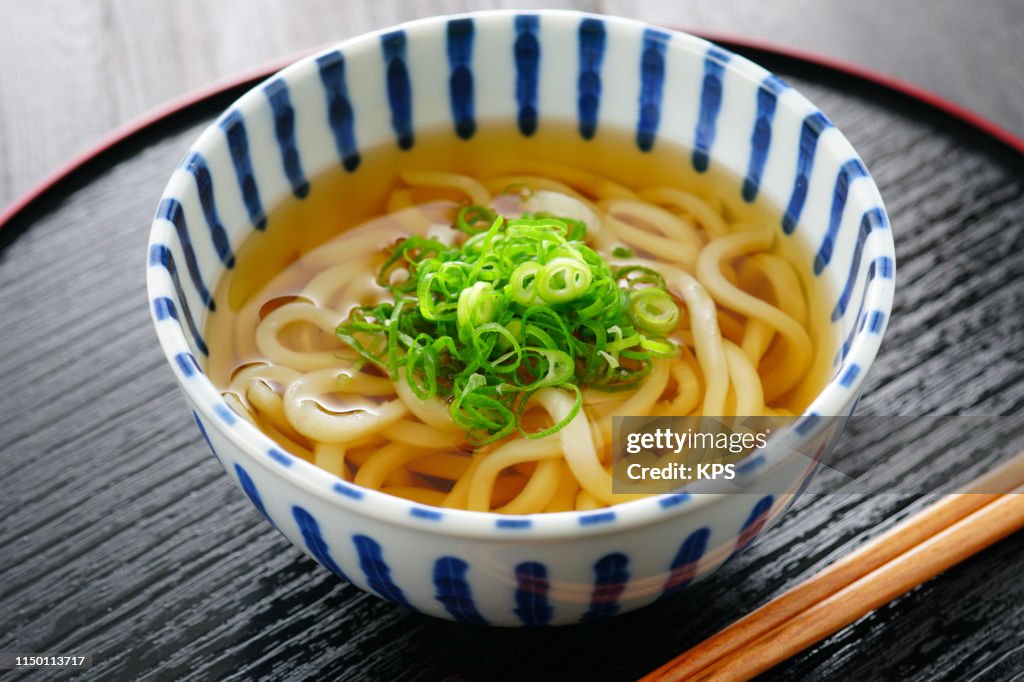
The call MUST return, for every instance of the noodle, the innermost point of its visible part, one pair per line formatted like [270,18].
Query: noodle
[331,457]
[464,184]
[743,334]
[564,498]
[781,379]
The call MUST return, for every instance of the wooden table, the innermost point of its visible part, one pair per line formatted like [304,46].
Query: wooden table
[70,72]
[119,534]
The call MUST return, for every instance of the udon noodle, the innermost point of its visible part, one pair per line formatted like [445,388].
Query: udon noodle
[745,342]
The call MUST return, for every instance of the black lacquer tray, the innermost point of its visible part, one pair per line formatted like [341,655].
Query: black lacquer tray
[121,537]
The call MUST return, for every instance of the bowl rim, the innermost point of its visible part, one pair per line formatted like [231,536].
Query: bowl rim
[832,399]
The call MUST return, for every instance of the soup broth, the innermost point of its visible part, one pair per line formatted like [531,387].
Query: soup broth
[753,333]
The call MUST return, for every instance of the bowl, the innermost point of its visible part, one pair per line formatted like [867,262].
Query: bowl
[463,74]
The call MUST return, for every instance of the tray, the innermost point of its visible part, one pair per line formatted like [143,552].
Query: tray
[123,538]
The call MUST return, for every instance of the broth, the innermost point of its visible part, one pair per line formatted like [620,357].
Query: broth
[279,267]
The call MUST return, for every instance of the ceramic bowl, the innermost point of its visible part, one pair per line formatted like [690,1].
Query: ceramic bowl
[462,74]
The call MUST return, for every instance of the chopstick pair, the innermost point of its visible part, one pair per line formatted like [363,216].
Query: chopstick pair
[914,551]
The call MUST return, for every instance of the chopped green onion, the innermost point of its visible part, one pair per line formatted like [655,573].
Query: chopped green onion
[521,283]
[518,306]
[477,304]
[474,219]
[654,311]
[563,279]
[636,276]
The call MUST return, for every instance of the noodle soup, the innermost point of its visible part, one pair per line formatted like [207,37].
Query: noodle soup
[457,324]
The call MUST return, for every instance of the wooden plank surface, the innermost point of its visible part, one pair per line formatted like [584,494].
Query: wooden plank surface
[121,536]
[71,71]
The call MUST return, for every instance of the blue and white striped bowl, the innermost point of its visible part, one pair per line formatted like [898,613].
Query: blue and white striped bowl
[464,73]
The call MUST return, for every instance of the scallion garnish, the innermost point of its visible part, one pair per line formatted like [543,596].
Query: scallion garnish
[654,310]
[518,306]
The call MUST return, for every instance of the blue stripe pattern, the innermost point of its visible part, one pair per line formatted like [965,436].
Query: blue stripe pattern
[754,524]
[171,211]
[249,488]
[340,115]
[527,55]
[204,434]
[710,104]
[805,425]
[238,144]
[813,126]
[673,500]
[195,165]
[280,457]
[348,490]
[850,375]
[592,40]
[284,129]
[426,514]
[750,464]
[314,540]
[513,524]
[453,590]
[610,578]
[850,171]
[399,87]
[376,570]
[872,219]
[163,307]
[460,80]
[225,413]
[877,321]
[761,138]
[683,569]
[532,587]
[187,362]
[758,513]
[652,82]
[597,517]
[880,267]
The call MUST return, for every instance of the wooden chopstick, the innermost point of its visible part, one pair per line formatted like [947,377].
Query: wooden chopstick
[910,553]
